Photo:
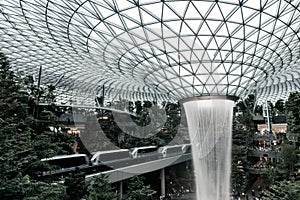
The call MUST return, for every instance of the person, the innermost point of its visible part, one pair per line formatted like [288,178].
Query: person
[76,142]
[259,188]
[253,192]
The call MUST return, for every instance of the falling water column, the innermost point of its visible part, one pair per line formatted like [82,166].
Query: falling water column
[209,121]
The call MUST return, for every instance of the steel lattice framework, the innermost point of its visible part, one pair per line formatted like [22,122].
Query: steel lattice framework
[162,49]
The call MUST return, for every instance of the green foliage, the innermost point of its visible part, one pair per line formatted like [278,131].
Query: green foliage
[242,139]
[75,185]
[27,189]
[15,133]
[138,107]
[283,190]
[49,143]
[292,106]
[37,190]
[239,177]
[279,107]
[99,189]
[180,177]
[24,140]
[289,156]
[11,189]
[138,190]
[288,188]
[270,176]
[142,118]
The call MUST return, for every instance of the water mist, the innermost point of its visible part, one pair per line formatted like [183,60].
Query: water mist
[210,128]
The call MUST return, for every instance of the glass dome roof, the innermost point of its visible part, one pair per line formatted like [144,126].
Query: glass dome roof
[156,49]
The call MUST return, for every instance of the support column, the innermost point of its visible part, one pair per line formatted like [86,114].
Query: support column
[36,108]
[163,182]
[121,189]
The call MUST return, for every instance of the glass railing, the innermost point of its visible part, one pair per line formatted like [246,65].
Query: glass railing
[266,152]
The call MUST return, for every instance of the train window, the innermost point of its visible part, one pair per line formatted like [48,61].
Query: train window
[187,148]
[142,151]
[67,161]
[148,150]
[112,155]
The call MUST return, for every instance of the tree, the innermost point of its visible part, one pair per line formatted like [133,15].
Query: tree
[75,185]
[242,139]
[279,106]
[48,142]
[239,176]
[24,140]
[289,156]
[15,132]
[98,188]
[283,190]
[270,176]
[143,116]
[288,188]
[292,111]
[36,190]
[138,190]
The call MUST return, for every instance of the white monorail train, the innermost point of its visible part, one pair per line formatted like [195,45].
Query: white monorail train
[112,159]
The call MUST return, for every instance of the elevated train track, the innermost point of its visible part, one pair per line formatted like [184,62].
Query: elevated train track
[118,164]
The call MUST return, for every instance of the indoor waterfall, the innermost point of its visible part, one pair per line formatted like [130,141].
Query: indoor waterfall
[210,128]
